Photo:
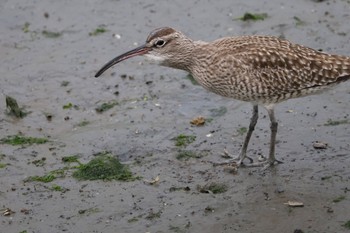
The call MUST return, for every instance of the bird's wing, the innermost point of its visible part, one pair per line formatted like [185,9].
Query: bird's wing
[284,66]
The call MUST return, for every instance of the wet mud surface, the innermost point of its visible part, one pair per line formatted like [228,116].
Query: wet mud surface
[50,51]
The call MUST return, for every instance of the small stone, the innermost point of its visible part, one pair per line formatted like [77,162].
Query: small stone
[298,231]
[320,145]
[231,169]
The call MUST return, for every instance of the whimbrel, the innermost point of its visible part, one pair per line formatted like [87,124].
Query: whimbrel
[262,70]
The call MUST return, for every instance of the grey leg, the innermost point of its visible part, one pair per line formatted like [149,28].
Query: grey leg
[253,121]
[273,127]
[243,153]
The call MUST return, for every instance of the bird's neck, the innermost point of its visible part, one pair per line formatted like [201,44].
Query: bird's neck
[184,60]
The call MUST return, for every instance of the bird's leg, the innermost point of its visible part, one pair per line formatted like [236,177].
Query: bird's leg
[253,121]
[273,127]
[243,153]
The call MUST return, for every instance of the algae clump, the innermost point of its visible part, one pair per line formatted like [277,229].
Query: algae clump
[253,16]
[104,167]
[213,187]
[14,109]
[21,140]
[106,106]
[184,140]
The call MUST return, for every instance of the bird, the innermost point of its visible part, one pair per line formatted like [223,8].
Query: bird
[261,70]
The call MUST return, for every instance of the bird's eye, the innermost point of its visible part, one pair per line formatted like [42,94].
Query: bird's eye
[159,43]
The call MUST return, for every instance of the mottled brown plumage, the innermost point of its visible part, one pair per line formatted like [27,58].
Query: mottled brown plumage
[263,70]
[266,70]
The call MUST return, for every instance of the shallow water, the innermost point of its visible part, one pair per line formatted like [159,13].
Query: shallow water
[150,114]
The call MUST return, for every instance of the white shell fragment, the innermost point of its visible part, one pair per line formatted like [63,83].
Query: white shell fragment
[153,181]
[294,204]
[117,36]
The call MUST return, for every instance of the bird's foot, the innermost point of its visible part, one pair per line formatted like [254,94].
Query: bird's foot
[238,160]
[265,163]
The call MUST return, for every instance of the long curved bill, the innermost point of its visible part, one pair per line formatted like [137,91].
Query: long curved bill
[135,52]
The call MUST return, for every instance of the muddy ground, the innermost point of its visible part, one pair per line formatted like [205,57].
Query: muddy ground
[48,60]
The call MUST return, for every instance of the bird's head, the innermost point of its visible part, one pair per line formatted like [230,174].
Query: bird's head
[165,45]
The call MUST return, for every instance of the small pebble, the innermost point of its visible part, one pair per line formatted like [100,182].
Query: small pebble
[320,145]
